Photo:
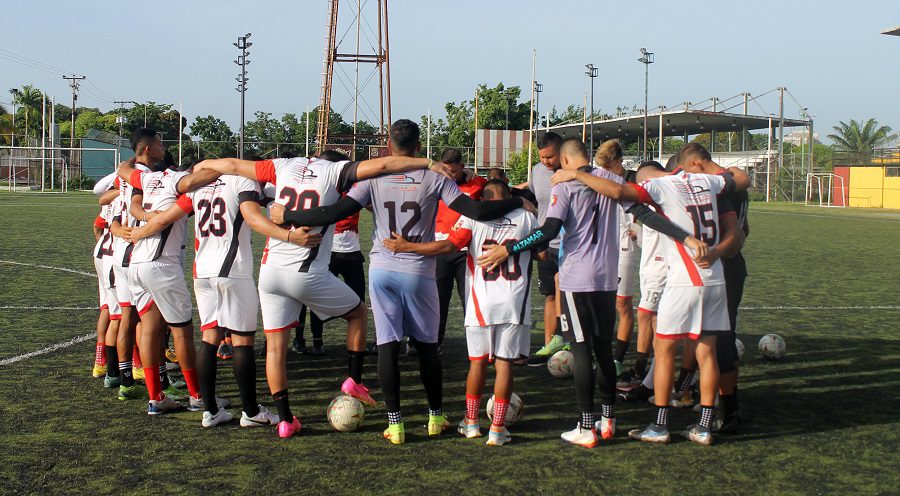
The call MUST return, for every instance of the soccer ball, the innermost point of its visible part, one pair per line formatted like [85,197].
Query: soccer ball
[740,348]
[561,364]
[345,413]
[513,413]
[772,346]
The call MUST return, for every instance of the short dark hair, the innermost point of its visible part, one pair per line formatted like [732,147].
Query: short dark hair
[574,146]
[693,149]
[487,194]
[289,154]
[452,156]
[653,164]
[672,163]
[549,139]
[404,135]
[333,156]
[142,137]
[495,173]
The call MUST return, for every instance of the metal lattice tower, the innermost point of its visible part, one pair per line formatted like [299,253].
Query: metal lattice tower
[378,55]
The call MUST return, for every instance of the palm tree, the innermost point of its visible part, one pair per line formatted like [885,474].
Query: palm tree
[6,127]
[861,140]
[29,99]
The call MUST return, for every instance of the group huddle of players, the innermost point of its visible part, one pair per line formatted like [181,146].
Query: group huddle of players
[436,224]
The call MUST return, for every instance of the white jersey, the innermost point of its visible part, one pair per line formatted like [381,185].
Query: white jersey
[104,246]
[627,246]
[123,250]
[159,190]
[689,201]
[500,296]
[653,261]
[302,184]
[345,242]
[221,237]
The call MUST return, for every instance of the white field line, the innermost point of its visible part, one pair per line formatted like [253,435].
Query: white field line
[50,267]
[49,349]
[837,217]
[48,205]
[13,307]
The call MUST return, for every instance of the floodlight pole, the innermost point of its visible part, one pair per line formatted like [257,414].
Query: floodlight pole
[646,59]
[591,73]
[242,45]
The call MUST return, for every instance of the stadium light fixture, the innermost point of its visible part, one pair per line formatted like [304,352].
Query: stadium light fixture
[646,59]
[243,45]
[592,74]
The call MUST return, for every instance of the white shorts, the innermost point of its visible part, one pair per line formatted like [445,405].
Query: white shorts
[283,292]
[685,311]
[628,261]
[227,302]
[122,289]
[163,284]
[507,341]
[651,291]
[101,288]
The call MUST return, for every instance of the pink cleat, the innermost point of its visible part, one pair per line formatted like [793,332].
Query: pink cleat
[287,429]
[358,391]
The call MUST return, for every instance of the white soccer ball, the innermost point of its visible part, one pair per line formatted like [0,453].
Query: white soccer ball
[513,412]
[772,346]
[561,364]
[345,413]
[740,348]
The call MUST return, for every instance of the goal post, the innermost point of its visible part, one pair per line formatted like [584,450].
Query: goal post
[822,187]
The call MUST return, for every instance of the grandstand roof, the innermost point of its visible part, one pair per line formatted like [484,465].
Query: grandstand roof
[675,123]
[893,31]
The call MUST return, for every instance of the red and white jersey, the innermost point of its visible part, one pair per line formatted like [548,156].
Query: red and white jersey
[123,250]
[159,190]
[302,184]
[104,245]
[653,261]
[221,237]
[627,247]
[500,296]
[689,201]
[346,235]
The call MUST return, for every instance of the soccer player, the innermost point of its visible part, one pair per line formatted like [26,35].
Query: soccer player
[292,276]
[498,313]
[402,286]
[155,273]
[107,322]
[227,300]
[691,157]
[693,304]
[587,280]
[524,192]
[450,267]
[549,153]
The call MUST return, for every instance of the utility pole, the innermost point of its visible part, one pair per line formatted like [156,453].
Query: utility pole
[591,73]
[646,59]
[73,82]
[121,118]
[242,60]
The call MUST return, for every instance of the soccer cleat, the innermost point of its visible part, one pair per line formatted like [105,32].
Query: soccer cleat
[196,404]
[581,437]
[175,392]
[164,405]
[358,391]
[498,438]
[98,371]
[620,368]
[287,429]
[728,424]
[112,382]
[471,431]
[698,434]
[172,366]
[138,374]
[653,433]
[221,417]
[541,356]
[682,399]
[264,417]
[177,383]
[640,393]
[395,433]
[628,381]
[606,427]
[133,392]
[225,352]
[171,356]
[437,424]
[318,349]
[299,346]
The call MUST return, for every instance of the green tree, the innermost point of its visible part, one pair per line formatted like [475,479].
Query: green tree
[517,166]
[6,127]
[29,100]
[90,118]
[860,140]
[215,138]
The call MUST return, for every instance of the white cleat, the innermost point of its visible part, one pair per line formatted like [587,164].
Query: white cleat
[261,419]
[197,405]
[222,416]
[165,405]
[606,427]
[651,434]
[471,431]
[498,438]
[581,437]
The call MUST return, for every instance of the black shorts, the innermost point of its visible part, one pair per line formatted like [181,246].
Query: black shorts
[547,271]
[587,316]
[735,271]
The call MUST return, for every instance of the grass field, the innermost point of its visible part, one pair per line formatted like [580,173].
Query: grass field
[821,421]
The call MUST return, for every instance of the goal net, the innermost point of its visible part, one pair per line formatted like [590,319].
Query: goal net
[825,189]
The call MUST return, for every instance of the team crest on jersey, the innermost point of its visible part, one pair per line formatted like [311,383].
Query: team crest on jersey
[502,222]
[459,224]
[553,200]
[306,174]
[402,179]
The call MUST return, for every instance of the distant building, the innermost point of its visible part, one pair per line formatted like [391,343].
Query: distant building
[799,137]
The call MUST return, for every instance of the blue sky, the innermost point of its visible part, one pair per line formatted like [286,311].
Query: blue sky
[829,54]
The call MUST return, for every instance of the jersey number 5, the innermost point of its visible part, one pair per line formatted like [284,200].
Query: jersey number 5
[705,228]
